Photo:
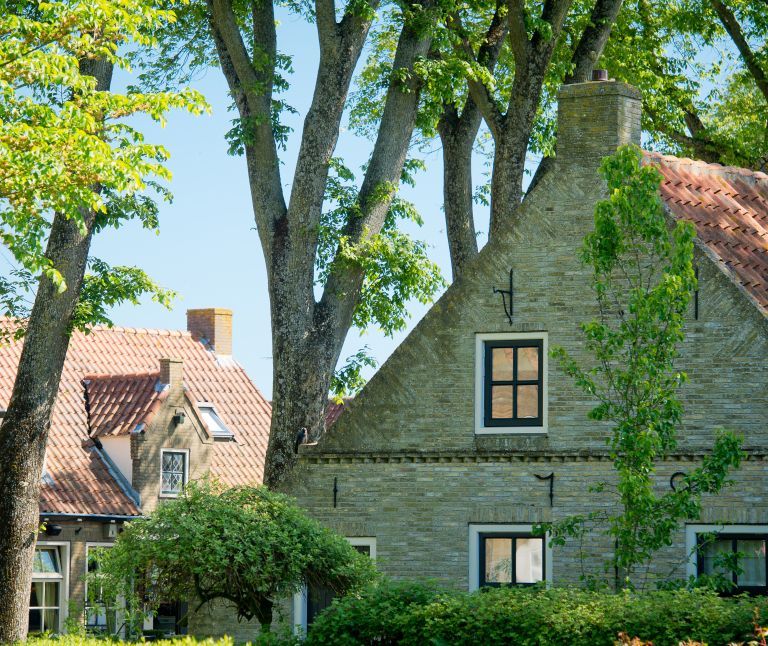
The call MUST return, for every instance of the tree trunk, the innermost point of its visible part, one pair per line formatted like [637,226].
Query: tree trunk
[458,134]
[24,431]
[264,615]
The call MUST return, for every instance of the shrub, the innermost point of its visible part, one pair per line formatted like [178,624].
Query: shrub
[422,614]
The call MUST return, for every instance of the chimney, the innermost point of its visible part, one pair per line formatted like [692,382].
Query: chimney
[172,372]
[213,327]
[595,118]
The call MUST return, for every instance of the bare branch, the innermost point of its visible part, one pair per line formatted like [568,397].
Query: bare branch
[325,17]
[518,34]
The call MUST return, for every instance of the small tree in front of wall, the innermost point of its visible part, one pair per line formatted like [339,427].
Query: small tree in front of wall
[244,545]
[643,279]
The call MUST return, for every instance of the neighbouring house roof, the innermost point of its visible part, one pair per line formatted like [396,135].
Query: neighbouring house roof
[119,404]
[729,208]
[77,481]
[334,410]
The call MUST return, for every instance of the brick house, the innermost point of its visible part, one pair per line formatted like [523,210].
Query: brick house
[469,434]
[139,413]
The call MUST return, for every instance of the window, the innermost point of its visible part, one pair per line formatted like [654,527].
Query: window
[216,427]
[507,555]
[312,600]
[48,591]
[735,552]
[99,618]
[174,469]
[511,383]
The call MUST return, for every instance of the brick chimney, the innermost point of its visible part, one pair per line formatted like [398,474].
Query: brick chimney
[213,327]
[172,372]
[595,118]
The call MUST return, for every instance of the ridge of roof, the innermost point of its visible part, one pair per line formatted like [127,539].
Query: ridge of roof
[709,167]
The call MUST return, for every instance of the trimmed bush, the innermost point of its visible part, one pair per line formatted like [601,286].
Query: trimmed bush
[421,614]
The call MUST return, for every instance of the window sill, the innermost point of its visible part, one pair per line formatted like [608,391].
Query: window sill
[511,430]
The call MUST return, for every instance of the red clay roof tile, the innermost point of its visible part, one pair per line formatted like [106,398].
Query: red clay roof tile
[77,480]
[729,208]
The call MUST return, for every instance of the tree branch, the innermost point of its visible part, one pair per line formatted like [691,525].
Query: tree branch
[252,90]
[335,310]
[593,40]
[731,24]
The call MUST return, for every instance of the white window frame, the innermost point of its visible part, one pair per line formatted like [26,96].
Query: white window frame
[170,449]
[474,549]
[300,598]
[693,530]
[63,579]
[480,339]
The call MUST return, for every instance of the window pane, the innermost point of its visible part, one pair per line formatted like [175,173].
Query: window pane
[51,595]
[752,562]
[501,402]
[363,549]
[498,560]
[502,364]
[51,620]
[45,561]
[36,595]
[35,621]
[527,401]
[712,554]
[528,363]
[529,560]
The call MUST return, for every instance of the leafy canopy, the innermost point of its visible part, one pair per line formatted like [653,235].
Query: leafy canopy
[643,278]
[65,145]
[247,545]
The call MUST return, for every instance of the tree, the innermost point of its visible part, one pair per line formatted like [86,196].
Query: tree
[69,167]
[643,278]
[479,69]
[702,68]
[334,256]
[245,545]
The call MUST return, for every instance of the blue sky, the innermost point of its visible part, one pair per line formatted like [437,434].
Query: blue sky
[208,250]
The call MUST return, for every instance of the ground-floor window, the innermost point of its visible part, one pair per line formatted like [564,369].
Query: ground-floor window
[311,601]
[506,555]
[47,599]
[733,554]
[99,617]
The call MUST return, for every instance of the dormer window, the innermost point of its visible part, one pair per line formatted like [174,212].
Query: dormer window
[511,383]
[216,426]
[174,471]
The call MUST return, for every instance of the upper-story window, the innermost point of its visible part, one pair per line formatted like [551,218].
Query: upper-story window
[174,471]
[511,383]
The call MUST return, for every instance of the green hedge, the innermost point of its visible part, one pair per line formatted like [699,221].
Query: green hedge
[419,614]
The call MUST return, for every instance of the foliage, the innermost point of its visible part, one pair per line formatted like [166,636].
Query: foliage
[643,278]
[699,98]
[247,545]
[418,613]
[65,145]
[397,268]
[348,380]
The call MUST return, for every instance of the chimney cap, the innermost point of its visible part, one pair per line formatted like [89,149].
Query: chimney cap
[599,75]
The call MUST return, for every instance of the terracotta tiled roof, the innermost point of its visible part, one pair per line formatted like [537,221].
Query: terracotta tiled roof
[729,207]
[120,403]
[334,410]
[77,480]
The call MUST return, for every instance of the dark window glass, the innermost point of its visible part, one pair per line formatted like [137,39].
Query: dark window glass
[320,597]
[511,559]
[513,383]
[740,558]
